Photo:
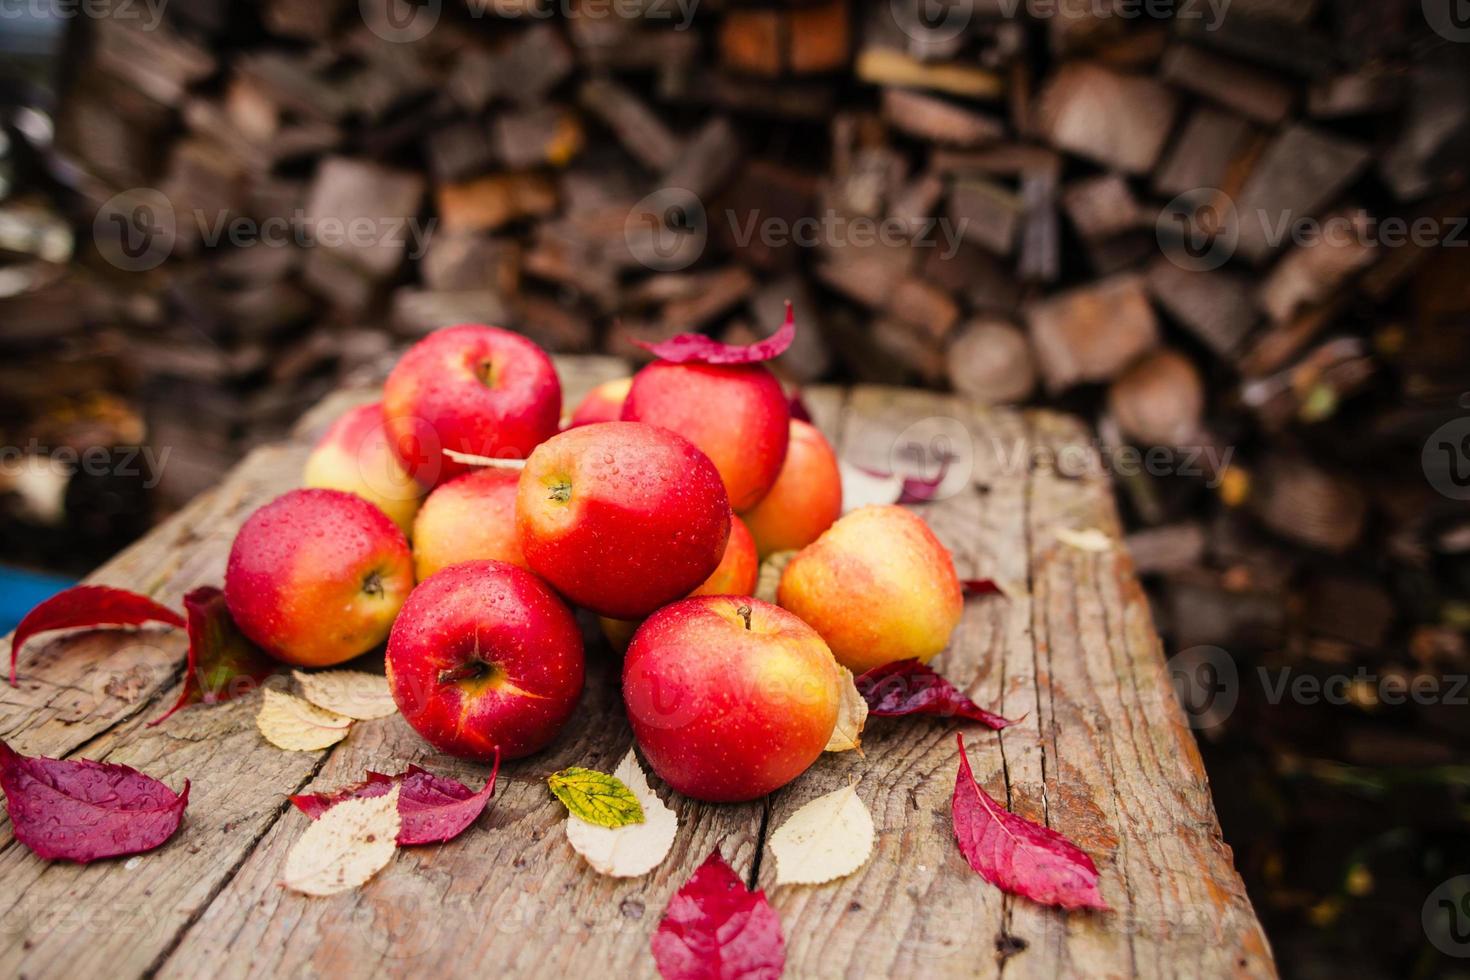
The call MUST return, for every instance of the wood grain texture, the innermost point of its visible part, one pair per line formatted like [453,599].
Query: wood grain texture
[1102,754]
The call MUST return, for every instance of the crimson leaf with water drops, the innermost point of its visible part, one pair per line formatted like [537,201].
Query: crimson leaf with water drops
[909,687]
[696,348]
[79,810]
[223,664]
[431,808]
[1016,855]
[89,606]
[717,929]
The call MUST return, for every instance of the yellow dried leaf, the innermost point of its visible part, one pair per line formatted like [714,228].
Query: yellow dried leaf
[769,578]
[634,849]
[345,846]
[852,715]
[353,693]
[828,838]
[1087,539]
[493,462]
[290,723]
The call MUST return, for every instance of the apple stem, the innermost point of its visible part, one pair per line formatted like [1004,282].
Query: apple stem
[744,612]
[471,670]
[373,584]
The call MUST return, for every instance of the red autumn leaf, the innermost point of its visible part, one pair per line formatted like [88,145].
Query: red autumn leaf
[1016,855]
[89,606]
[715,928]
[78,810]
[223,664]
[432,808]
[908,687]
[979,586]
[699,349]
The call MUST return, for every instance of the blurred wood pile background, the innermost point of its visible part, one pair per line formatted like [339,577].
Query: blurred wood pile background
[593,172]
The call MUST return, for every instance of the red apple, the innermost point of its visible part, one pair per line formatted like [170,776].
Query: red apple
[735,413]
[354,454]
[878,586]
[730,698]
[603,403]
[806,498]
[471,517]
[738,569]
[473,389]
[315,577]
[485,655]
[736,575]
[621,517]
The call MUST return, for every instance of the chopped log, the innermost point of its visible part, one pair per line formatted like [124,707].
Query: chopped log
[470,261]
[751,41]
[304,21]
[1302,171]
[1368,91]
[347,193]
[1091,333]
[885,66]
[986,213]
[157,62]
[459,150]
[1203,153]
[1304,503]
[538,136]
[1314,270]
[759,215]
[990,361]
[641,132]
[557,327]
[1040,258]
[1294,50]
[927,117]
[1159,400]
[1428,154]
[707,160]
[1217,306]
[712,294]
[924,306]
[1249,91]
[416,312]
[526,69]
[820,38]
[969,271]
[491,202]
[1102,206]
[908,346]
[1118,120]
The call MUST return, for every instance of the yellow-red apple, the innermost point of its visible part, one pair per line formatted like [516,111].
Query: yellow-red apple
[735,413]
[472,389]
[354,454]
[603,403]
[729,697]
[469,518]
[878,586]
[485,655]
[621,517]
[806,498]
[315,577]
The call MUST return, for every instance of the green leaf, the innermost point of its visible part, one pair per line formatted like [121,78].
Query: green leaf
[596,797]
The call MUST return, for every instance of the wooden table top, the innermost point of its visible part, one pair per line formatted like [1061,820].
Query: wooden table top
[1103,754]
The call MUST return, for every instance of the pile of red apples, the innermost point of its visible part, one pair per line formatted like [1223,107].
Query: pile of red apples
[652,508]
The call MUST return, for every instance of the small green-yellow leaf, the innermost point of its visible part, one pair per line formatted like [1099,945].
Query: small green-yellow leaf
[596,797]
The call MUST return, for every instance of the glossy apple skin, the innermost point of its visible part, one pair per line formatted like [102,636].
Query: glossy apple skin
[473,389]
[315,577]
[878,586]
[806,498]
[621,517]
[355,455]
[736,575]
[603,403]
[485,654]
[736,414]
[469,518]
[723,712]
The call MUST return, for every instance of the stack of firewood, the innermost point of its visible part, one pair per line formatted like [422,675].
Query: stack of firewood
[1021,204]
